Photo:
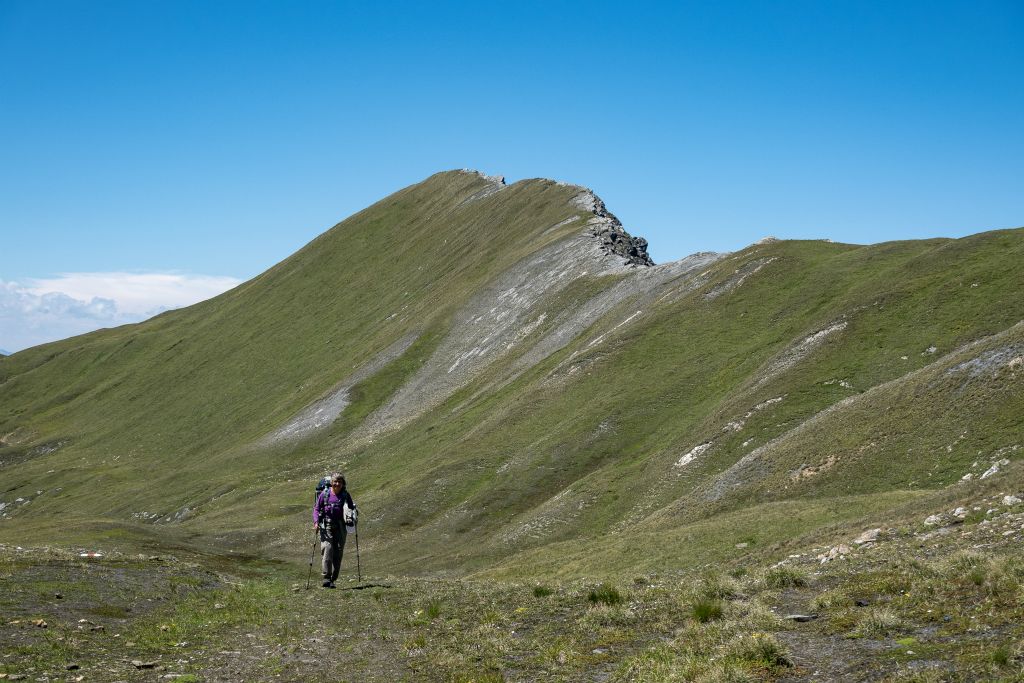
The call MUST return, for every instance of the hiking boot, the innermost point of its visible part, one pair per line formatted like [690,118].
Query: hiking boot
[327,584]
[331,585]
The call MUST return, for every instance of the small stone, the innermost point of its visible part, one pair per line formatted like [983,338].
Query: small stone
[861,603]
[868,537]
[836,552]
[1011,500]
[960,513]
[99,627]
[39,623]
[932,520]
[742,545]
[801,617]
[59,596]
[139,664]
[72,667]
[599,651]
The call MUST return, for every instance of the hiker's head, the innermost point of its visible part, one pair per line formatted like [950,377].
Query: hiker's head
[338,481]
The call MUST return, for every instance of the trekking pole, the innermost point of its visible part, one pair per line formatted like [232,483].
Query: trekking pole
[359,569]
[311,552]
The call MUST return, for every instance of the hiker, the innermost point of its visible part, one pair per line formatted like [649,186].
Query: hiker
[333,510]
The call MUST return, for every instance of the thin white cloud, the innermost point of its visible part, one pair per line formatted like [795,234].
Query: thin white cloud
[136,293]
[47,309]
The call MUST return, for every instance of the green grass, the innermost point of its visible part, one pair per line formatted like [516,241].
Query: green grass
[605,594]
[402,628]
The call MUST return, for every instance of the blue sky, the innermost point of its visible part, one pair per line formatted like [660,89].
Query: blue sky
[209,140]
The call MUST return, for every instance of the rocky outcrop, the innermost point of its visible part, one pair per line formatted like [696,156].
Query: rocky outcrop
[609,231]
[615,240]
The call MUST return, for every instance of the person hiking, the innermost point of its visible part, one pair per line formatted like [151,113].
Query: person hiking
[333,509]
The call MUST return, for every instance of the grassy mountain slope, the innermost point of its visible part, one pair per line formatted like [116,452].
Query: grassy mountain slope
[546,409]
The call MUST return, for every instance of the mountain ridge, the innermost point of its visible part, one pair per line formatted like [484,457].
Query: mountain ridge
[503,387]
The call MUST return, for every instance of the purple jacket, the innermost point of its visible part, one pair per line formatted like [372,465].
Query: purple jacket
[330,506]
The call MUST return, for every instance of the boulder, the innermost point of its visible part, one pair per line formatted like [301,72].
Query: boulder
[995,468]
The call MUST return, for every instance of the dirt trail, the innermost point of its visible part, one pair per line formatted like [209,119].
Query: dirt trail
[819,656]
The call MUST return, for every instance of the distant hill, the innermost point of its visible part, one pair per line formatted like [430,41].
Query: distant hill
[513,389]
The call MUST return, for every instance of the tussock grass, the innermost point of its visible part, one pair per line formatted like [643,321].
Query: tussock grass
[962,562]
[483,677]
[605,594]
[707,610]
[416,642]
[831,599]
[720,586]
[602,615]
[785,576]
[878,622]
[726,671]
[1001,656]
[761,650]
[755,614]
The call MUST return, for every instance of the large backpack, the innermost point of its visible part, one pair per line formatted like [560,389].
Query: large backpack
[323,485]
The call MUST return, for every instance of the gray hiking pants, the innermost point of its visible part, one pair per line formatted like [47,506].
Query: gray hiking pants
[332,546]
